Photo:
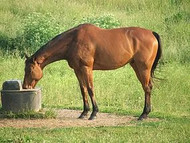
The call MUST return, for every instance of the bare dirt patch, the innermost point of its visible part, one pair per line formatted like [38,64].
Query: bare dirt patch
[69,118]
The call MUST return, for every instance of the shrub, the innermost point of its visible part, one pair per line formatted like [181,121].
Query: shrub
[39,28]
[105,21]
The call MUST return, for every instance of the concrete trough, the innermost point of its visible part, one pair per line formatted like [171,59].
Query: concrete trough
[16,99]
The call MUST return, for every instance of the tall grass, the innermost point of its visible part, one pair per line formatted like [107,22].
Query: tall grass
[169,18]
[116,91]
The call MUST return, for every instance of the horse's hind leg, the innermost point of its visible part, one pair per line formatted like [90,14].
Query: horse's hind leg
[143,73]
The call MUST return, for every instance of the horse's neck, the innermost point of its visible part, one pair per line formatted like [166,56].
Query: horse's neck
[54,50]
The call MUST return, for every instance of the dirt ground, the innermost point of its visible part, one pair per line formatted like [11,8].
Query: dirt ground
[69,118]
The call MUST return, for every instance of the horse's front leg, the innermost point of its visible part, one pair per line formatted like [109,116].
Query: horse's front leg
[84,93]
[87,79]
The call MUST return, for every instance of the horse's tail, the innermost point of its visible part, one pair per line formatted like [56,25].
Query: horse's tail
[158,55]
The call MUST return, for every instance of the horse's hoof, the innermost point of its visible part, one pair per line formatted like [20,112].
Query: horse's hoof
[92,117]
[83,115]
[142,117]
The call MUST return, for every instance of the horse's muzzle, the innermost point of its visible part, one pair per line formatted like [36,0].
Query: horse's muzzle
[27,86]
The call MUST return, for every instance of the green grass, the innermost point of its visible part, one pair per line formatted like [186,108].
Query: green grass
[125,94]
[22,29]
[42,114]
[116,91]
[141,132]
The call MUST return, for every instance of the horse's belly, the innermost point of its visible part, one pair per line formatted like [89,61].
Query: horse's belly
[111,62]
[106,67]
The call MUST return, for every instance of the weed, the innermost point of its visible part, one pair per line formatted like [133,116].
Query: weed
[43,114]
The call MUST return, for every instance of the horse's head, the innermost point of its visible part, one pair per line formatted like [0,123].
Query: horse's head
[33,73]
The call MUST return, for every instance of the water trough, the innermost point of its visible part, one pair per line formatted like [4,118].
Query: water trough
[16,99]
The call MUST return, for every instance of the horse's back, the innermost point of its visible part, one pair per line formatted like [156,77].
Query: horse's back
[105,46]
[112,48]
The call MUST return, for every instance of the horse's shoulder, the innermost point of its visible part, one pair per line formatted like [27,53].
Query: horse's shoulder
[84,31]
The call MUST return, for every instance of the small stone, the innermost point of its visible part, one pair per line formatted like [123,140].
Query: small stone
[12,85]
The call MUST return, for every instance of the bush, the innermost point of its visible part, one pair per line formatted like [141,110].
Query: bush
[105,21]
[37,30]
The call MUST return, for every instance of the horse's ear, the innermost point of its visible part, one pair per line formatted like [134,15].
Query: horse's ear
[33,60]
[26,56]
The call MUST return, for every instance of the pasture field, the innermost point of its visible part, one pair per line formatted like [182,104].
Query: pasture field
[26,25]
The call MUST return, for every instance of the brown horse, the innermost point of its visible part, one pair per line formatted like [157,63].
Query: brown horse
[87,48]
